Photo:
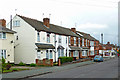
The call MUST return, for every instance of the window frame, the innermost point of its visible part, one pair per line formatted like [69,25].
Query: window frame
[38,36]
[3,53]
[16,23]
[3,35]
[74,40]
[48,37]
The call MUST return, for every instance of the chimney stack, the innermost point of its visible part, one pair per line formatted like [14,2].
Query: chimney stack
[46,22]
[3,22]
[73,30]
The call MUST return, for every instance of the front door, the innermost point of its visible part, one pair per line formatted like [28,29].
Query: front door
[38,54]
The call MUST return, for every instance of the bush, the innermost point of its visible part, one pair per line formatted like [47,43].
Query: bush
[8,66]
[65,59]
[3,60]
[32,65]
[21,64]
[14,69]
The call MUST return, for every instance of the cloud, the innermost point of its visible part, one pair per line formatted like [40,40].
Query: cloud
[92,26]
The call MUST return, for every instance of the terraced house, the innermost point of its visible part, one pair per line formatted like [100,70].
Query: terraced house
[6,42]
[43,40]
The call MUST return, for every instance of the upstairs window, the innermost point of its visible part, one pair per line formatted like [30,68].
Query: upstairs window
[86,42]
[59,39]
[69,40]
[16,23]
[92,43]
[74,40]
[3,35]
[66,40]
[82,42]
[95,43]
[38,36]
[79,41]
[48,37]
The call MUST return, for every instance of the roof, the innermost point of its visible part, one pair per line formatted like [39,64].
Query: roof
[6,30]
[75,48]
[44,46]
[38,25]
[87,36]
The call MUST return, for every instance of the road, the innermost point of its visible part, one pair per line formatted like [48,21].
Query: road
[106,69]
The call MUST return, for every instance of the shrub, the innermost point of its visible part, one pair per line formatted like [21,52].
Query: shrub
[32,65]
[14,69]
[65,59]
[3,60]
[21,64]
[8,66]
[55,64]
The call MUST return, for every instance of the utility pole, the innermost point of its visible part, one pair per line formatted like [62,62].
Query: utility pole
[102,42]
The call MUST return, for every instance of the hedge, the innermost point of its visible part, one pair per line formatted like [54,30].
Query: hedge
[65,59]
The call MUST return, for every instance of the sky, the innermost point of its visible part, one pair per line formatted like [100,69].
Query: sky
[90,16]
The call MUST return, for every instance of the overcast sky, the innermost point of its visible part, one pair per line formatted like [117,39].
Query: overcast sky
[90,16]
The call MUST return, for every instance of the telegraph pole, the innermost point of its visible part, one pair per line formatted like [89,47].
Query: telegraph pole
[102,41]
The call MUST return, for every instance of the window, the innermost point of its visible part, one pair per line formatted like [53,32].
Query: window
[74,40]
[16,37]
[47,54]
[58,52]
[91,43]
[3,35]
[38,53]
[16,23]
[75,54]
[82,42]
[48,37]
[3,53]
[51,56]
[92,53]
[95,51]
[69,40]
[84,53]
[86,42]
[62,52]
[59,39]
[79,41]
[38,36]
[95,43]
[66,40]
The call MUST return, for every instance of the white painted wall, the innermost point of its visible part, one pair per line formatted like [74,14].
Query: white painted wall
[63,43]
[25,49]
[5,44]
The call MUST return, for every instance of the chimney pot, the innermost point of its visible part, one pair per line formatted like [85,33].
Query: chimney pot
[46,22]
[3,22]
[73,30]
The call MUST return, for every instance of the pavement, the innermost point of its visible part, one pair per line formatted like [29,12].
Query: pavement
[45,70]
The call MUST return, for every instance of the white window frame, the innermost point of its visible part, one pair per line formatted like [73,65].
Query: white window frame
[92,53]
[84,53]
[82,41]
[69,40]
[51,55]
[91,43]
[2,37]
[38,36]
[16,23]
[74,40]
[79,41]
[48,37]
[3,53]
[59,39]
[75,54]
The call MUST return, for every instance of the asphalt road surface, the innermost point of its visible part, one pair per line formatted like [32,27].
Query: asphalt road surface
[106,69]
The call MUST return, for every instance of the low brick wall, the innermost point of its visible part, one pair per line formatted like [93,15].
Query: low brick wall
[44,62]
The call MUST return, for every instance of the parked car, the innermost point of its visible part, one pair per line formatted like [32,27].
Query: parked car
[98,58]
